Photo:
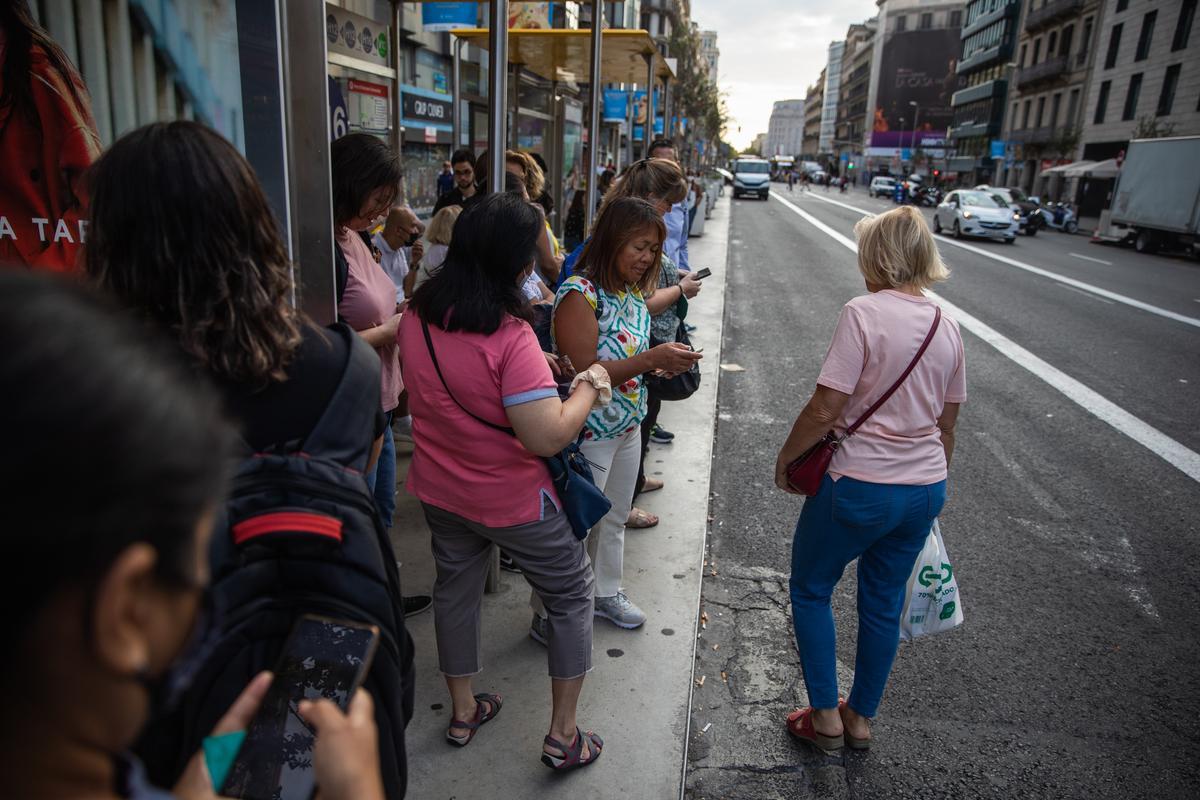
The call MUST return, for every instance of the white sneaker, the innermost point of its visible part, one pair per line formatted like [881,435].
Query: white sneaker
[620,611]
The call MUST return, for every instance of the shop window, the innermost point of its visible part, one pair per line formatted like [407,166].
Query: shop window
[217,64]
[1146,36]
[1166,98]
[1131,97]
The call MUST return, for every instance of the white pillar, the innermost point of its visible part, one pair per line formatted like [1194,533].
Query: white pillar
[145,79]
[94,64]
[122,100]
[59,20]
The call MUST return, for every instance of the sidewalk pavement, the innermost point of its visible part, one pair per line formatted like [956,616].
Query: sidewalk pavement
[638,693]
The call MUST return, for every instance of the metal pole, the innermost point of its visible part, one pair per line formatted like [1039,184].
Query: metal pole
[456,75]
[594,114]
[514,135]
[648,133]
[497,91]
[668,128]
[629,98]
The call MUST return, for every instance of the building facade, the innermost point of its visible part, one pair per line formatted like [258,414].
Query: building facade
[785,132]
[1056,55]
[852,116]
[710,52]
[913,78]
[1148,81]
[814,107]
[989,40]
[830,97]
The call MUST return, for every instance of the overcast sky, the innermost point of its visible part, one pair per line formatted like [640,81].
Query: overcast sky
[772,50]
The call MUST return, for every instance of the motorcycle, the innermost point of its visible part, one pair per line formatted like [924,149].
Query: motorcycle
[928,196]
[1060,217]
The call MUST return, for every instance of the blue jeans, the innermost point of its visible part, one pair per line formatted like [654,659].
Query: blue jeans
[382,481]
[884,526]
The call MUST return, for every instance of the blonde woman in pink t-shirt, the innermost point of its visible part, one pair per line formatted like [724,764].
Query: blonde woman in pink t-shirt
[886,483]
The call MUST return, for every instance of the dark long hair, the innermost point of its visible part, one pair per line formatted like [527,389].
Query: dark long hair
[22,33]
[620,222]
[494,242]
[93,397]
[182,232]
[360,164]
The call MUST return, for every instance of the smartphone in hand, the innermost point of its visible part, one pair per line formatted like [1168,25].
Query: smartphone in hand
[702,274]
[322,658]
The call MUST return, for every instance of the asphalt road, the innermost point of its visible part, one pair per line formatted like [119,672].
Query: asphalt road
[1075,544]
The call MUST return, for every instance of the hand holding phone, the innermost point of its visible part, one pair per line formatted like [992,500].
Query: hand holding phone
[704,273]
[323,658]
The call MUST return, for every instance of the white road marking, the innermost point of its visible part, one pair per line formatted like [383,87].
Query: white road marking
[1088,295]
[1045,273]
[1089,258]
[1174,453]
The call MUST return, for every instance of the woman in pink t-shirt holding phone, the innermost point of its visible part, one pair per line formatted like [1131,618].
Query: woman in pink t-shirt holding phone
[474,368]
[887,483]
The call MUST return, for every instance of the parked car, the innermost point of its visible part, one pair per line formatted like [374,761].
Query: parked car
[1031,218]
[969,212]
[882,186]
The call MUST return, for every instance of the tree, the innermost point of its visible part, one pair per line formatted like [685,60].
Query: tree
[1150,128]
[696,95]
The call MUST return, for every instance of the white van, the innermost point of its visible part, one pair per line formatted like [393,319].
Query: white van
[883,186]
[751,176]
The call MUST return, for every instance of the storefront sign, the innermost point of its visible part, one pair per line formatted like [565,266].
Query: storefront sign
[422,108]
[368,106]
[997,148]
[448,16]
[616,105]
[354,35]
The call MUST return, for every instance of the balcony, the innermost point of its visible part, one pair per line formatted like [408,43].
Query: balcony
[1043,135]
[985,20]
[984,58]
[1048,70]
[971,130]
[981,91]
[1050,12]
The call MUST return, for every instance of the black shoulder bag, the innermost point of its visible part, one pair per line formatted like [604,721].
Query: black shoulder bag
[582,501]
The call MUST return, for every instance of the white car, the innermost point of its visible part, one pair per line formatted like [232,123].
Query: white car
[883,186]
[968,212]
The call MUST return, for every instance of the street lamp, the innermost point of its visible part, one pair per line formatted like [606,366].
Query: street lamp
[912,142]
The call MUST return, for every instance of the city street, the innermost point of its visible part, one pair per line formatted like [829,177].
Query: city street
[1071,524]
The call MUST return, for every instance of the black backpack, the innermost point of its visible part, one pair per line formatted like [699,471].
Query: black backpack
[300,535]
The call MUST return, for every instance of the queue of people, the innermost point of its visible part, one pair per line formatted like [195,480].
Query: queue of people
[239,463]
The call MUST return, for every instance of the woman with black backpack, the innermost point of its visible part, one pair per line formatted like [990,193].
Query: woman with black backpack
[205,265]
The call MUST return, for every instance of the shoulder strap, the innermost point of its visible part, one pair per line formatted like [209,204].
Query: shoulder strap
[937,318]
[355,398]
[446,386]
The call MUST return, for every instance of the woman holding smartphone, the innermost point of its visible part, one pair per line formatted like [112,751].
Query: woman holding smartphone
[110,589]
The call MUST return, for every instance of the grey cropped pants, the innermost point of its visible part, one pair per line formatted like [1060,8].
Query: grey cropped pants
[553,561]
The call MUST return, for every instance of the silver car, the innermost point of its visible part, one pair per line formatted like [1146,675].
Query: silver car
[968,212]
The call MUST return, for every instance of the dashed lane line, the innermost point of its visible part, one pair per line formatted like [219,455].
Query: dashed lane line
[1174,453]
[1045,273]
[1089,258]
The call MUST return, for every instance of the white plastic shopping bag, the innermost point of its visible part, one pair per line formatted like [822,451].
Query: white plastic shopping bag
[933,604]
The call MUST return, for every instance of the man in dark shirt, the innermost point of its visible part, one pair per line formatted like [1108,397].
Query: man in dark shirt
[463,165]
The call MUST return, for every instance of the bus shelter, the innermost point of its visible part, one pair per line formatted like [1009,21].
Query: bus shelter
[626,57]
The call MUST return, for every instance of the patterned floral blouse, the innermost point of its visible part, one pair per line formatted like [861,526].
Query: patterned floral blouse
[624,324]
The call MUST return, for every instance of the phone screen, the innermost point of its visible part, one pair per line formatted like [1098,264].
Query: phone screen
[322,658]
[704,273]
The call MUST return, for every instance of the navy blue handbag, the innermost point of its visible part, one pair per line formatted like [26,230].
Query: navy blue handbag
[582,501]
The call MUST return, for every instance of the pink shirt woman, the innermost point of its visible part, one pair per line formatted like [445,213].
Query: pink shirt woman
[370,302]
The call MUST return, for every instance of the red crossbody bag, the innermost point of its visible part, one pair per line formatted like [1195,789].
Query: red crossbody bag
[806,472]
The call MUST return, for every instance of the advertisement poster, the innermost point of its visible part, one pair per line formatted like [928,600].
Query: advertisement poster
[530,16]
[616,105]
[339,122]
[437,17]
[368,106]
[916,66]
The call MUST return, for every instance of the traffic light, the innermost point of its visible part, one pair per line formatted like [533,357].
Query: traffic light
[937,172]
[850,165]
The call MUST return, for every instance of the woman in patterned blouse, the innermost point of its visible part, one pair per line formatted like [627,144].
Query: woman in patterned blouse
[600,315]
